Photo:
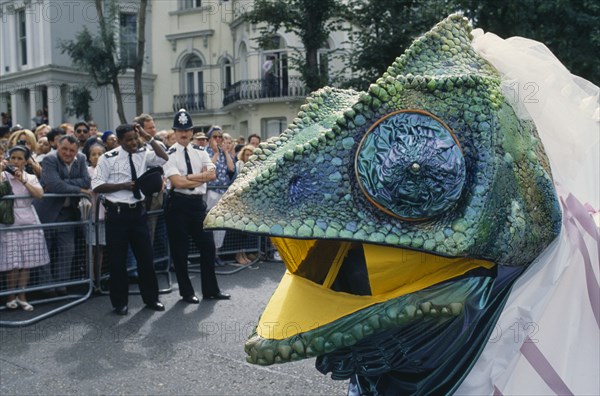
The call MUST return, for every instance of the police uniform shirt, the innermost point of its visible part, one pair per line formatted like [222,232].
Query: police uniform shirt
[177,166]
[114,167]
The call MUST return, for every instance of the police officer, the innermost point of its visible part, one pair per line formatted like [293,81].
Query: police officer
[126,220]
[188,169]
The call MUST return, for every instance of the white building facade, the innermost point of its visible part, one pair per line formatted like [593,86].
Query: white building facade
[36,76]
[200,55]
[209,62]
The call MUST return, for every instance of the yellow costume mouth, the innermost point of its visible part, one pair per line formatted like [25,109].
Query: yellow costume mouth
[310,296]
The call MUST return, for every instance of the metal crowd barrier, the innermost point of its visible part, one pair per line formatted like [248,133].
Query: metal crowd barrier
[54,287]
[57,286]
[160,246]
[268,251]
[229,243]
[234,242]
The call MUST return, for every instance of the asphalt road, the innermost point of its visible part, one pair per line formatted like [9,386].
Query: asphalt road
[186,350]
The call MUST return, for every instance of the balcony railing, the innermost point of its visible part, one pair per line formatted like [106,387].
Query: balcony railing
[264,88]
[190,102]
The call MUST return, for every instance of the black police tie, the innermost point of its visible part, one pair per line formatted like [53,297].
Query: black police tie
[188,163]
[136,190]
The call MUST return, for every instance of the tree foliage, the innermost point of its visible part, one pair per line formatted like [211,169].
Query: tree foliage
[569,28]
[311,20]
[383,29]
[79,102]
[98,54]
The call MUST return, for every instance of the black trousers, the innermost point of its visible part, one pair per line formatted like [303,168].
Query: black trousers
[184,217]
[126,227]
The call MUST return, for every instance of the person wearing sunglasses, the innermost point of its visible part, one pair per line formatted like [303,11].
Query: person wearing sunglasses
[82,133]
[225,172]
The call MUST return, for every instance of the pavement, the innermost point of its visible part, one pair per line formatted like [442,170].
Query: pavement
[186,350]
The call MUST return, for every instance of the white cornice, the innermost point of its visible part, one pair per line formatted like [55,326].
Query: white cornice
[198,33]
[54,75]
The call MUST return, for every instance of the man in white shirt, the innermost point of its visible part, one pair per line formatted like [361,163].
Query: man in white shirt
[126,219]
[155,201]
[270,88]
[188,170]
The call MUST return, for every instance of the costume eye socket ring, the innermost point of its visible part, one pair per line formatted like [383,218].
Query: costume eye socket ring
[410,165]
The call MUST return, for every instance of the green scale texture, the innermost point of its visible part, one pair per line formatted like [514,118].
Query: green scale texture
[302,184]
[502,208]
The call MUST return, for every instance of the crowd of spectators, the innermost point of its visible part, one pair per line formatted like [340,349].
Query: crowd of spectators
[62,160]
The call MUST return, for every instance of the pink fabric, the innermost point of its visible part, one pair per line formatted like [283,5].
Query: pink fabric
[23,248]
[574,211]
[541,365]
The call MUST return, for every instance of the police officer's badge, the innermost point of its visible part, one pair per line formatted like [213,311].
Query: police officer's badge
[182,121]
[183,118]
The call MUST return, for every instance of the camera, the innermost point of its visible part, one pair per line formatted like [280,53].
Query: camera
[22,142]
[10,169]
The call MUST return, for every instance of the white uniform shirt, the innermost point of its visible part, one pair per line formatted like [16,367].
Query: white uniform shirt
[177,166]
[267,66]
[113,167]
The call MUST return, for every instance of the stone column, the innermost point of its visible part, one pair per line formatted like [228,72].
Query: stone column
[35,104]
[55,107]
[4,99]
[20,110]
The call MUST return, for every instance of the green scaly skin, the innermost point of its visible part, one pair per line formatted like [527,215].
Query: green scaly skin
[303,185]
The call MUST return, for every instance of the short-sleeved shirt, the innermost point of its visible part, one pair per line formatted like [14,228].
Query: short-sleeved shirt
[223,174]
[113,167]
[177,166]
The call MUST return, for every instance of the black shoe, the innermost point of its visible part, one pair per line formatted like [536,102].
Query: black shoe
[219,262]
[156,306]
[121,310]
[218,296]
[191,299]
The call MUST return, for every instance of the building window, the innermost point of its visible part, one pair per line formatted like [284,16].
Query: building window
[194,79]
[244,128]
[243,68]
[192,85]
[227,74]
[22,36]
[273,126]
[187,4]
[275,77]
[128,39]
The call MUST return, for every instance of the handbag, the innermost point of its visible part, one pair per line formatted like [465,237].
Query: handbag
[7,214]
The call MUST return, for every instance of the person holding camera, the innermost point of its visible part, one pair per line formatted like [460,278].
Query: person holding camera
[225,168]
[23,249]
[126,219]
[25,137]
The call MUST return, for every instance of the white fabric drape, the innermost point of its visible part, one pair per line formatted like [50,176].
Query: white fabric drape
[550,309]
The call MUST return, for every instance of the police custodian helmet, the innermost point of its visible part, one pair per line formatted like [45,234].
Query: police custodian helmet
[182,120]
[151,181]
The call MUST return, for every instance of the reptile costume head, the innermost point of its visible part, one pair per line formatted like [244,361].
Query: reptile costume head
[403,215]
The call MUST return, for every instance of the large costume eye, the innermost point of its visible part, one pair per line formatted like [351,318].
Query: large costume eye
[410,165]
